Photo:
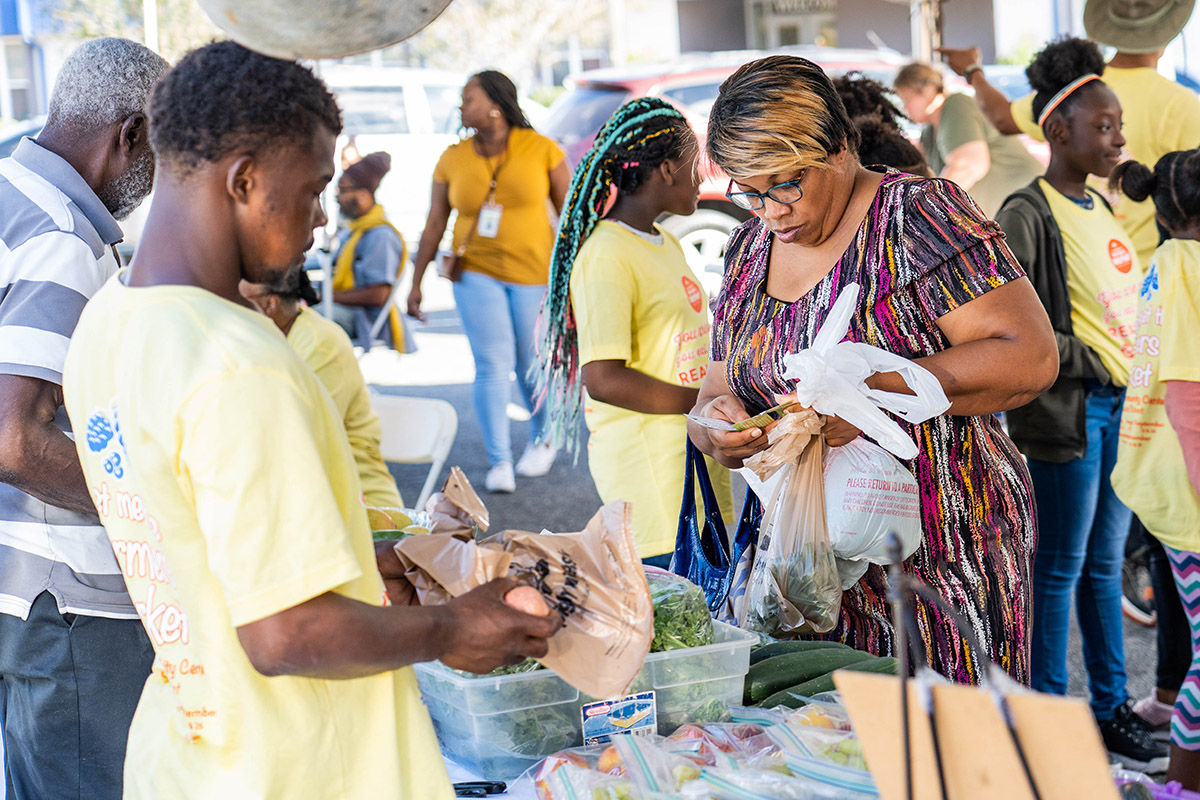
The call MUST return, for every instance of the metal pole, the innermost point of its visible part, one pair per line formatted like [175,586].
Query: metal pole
[897,594]
[150,23]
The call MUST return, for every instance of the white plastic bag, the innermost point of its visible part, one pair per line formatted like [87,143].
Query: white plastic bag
[831,379]
[868,494]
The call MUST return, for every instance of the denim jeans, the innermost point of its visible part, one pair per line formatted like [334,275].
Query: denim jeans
[499,319]
[1082,528]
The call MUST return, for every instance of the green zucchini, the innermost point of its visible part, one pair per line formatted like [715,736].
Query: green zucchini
[767,677]
[797,646]
[796,696]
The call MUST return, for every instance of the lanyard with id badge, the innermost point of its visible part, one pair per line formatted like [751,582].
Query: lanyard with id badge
[487,224]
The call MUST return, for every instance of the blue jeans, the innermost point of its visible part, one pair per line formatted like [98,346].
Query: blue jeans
[1082,528]
[499,319]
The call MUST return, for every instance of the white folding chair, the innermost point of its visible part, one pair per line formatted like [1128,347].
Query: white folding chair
[416,430]
[394,300]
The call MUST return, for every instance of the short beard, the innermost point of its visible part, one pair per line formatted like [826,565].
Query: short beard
[122,195]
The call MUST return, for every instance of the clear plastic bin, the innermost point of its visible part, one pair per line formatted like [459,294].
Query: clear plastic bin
[499,727]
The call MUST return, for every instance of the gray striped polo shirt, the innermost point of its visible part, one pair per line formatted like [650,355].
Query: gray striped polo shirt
[56,251]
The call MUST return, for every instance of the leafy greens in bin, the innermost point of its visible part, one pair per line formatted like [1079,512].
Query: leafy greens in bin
[681,615]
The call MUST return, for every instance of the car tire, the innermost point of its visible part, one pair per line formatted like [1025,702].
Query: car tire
[704,235]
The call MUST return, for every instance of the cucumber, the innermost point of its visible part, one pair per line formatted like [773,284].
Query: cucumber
[767,677]
[797,646]
[796,696]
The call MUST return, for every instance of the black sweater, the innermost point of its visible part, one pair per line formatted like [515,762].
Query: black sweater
[1054,426]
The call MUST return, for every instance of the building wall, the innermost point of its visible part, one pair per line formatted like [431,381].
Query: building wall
[707,25]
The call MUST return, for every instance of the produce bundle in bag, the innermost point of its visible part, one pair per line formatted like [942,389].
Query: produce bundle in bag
[592,578]
[681,616]
[794,586]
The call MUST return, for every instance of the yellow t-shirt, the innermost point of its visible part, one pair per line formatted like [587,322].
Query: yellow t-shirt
[1102,278]
[1151,476]
[520,250]
[327,350]
[223,477]
[1159,116]
[639,302]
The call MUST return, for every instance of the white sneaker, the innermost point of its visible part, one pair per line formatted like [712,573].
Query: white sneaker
[500,479]
[536,460]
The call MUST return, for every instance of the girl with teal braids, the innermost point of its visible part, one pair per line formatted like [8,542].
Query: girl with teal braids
[625,318]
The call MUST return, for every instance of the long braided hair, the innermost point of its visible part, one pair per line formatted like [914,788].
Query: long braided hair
[636,140]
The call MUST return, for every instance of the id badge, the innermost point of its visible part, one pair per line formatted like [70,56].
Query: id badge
[489,220]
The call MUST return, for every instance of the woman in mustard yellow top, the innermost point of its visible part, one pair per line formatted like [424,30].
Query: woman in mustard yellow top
[500,182]
[329,353]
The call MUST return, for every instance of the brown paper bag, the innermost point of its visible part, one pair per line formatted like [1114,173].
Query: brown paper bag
[593,579]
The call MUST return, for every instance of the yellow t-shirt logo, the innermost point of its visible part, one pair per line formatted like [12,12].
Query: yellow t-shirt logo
[1121,258]
[694,296]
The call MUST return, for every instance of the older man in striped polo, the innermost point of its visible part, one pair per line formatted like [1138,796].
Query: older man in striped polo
[73,654]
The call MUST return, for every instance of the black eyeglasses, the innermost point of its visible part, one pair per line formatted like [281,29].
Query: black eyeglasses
[784,193]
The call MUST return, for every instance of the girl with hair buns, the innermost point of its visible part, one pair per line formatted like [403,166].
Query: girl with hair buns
[626,317]
[939,286]
[329,353]
[498,182]
[1158,459]
[1086,273]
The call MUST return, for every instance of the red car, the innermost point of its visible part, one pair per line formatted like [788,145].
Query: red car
[691,84]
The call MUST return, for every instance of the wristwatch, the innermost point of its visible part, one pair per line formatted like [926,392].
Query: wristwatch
[971,70]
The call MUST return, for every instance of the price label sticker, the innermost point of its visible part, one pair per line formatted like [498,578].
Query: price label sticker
[636,714]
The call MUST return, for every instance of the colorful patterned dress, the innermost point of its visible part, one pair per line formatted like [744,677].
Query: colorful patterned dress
[923,250]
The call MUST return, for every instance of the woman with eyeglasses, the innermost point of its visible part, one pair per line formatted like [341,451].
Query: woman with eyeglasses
[940,287]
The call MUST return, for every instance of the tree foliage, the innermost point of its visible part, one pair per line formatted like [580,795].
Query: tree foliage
[182,25]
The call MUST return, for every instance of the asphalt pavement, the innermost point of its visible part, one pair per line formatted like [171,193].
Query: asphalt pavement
[565,499]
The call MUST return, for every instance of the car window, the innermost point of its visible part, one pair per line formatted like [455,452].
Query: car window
[580,112]
[698,99]
[443,107]
[373,109]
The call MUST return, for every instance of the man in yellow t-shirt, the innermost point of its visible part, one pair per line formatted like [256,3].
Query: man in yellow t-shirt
[637,303]
[1151,475]
[224,479]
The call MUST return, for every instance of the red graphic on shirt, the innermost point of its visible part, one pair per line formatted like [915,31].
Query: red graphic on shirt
[1122,259]
[694,295]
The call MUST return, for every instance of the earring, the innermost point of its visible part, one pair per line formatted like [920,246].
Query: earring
[493,113]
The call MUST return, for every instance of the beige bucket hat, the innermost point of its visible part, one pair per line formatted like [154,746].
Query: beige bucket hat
[1136,26]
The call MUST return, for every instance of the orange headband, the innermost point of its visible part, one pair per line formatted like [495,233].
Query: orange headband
[1063,94]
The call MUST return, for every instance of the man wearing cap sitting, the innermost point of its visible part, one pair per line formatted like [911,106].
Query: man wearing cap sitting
[369,257]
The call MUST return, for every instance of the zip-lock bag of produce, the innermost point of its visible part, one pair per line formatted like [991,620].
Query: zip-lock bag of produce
[593,579]
[794,585]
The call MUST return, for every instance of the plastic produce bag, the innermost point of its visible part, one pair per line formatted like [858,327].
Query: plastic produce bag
[794,585]
[831,379]
[593,579]
[681,616]
[868,493]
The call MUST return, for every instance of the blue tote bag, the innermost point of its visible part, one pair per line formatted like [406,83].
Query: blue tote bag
[702,550]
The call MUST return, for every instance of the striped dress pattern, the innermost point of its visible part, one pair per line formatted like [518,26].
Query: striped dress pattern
[923,250]
[1185,720]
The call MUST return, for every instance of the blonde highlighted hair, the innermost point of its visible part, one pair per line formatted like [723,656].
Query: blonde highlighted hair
[917,76]
[775,116]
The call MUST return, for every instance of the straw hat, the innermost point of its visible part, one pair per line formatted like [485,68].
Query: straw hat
[1136,26]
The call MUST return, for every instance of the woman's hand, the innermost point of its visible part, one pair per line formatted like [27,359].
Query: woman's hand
[414,304]
[729,448]
[837,431]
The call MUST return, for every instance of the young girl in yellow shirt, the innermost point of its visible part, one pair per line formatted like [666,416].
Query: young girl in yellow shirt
[626,316]
[1158,458]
